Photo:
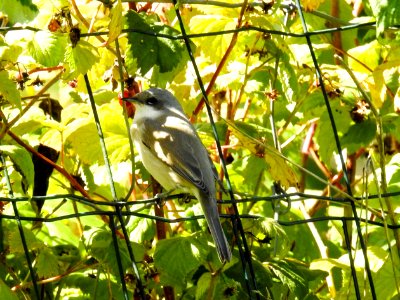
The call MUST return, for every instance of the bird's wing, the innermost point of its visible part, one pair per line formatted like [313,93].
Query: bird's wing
[190,158]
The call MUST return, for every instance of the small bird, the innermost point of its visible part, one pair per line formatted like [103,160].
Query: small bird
[173,154]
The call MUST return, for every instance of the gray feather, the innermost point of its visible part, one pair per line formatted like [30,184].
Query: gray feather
[177,146]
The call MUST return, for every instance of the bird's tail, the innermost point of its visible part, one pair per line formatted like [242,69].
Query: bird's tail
[209,206]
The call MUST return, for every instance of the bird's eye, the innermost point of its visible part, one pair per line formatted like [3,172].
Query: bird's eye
[152,101]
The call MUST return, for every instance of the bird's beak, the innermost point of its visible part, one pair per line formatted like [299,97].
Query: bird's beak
[134,100]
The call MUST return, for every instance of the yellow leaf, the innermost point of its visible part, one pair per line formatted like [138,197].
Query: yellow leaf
[311,5]
[116,23]
[365,58]
[278,167]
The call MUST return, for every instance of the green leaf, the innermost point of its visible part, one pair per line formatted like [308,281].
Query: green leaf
[278,168]
[95,287]
[80,58]
[367,54]
[146,51]
[9,53]
[268,228]
[19,10]
[176,258]
[359,135]
[15,243]
[46,264]
[387,14]
[8,90]
[102,248]
[203,286]
[6,293]
[22,162]
[214,47]
[324,133]
[144,230]
[290,277]
[116,23]
[81,135]
[47,48]
[115,132]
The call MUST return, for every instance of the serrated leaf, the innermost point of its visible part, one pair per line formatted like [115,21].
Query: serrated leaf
[80,58]
[116,23]
[8,89]
[115,132]
[22,162]
[9,52]
[47,48]
[19,10]
[14,241]
[368,54]
[359,135]
[269,228]
[147,51]
[46,264]
[289,276]
[379,87]
[214,47]
[6,293]
[175,259]
[324,133]
[278,168]
[81,135]
[386,12]
[144,230]
[102,248]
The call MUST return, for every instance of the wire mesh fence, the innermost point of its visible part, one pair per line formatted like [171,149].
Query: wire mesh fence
[355,220]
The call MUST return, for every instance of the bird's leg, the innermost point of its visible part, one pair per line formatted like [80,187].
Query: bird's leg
[186,197]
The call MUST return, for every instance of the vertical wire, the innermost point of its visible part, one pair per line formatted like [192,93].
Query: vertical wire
[237,224]
[21,229]
[339,148]
[118,258]
[352,266]
[114,195]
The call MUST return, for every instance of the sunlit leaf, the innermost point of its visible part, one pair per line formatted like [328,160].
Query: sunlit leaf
[386,13]
[81,58]
[365,58]
[19,10]
[47,48]
[116,23]
[9,52]
[381,76]
[278,167]
[82,136]
[214,47]
[8,90]
[176,258]
[22,162]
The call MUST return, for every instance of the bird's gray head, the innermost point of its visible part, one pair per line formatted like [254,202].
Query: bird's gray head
[156,99]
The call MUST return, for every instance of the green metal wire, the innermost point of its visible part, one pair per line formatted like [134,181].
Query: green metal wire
[100,207]
[343,165]
[117,208]
[20,229]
